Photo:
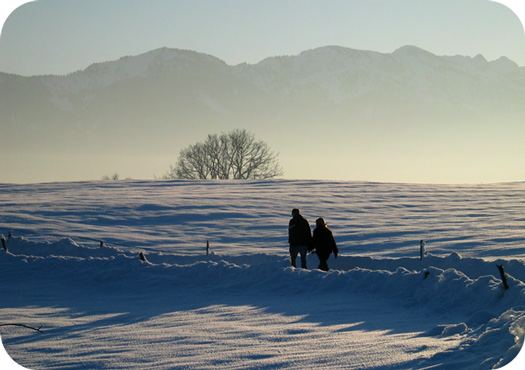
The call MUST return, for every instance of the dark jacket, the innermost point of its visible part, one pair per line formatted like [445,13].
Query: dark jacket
[299,232]
[324,242]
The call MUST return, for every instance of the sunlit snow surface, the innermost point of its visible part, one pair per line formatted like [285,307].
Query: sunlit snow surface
[243,306]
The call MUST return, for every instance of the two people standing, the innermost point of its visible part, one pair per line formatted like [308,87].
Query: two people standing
[301,241]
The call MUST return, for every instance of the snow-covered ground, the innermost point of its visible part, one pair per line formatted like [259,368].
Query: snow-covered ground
[242,306]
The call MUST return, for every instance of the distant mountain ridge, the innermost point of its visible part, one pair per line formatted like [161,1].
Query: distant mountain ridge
[159,100]
[337,72]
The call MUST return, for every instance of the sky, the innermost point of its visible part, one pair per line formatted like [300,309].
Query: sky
[63,36]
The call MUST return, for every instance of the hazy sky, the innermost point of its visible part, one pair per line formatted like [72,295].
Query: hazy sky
[62,36]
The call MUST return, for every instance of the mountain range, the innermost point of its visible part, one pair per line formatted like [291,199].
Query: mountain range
[165,99]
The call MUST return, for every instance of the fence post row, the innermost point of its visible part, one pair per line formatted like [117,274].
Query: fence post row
[422,253]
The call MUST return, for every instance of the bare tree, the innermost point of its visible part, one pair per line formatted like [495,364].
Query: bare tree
[235,155]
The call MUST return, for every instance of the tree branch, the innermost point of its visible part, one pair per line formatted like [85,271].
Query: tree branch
[24,326]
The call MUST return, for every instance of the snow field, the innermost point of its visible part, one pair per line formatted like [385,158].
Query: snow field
[243,306]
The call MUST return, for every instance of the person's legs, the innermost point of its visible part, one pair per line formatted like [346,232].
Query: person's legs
[293,255]
[323,262]
[304,251]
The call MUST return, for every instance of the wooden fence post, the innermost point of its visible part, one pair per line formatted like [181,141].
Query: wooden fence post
[207,247]
[503,277]
[422,251]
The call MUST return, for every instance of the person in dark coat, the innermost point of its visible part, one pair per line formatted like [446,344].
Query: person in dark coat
[299,237]
[323,244]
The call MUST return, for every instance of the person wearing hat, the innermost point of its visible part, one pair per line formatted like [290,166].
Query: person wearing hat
[299,237]
[323,244]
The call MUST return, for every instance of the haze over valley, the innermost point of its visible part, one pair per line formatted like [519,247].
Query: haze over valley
[331,112]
